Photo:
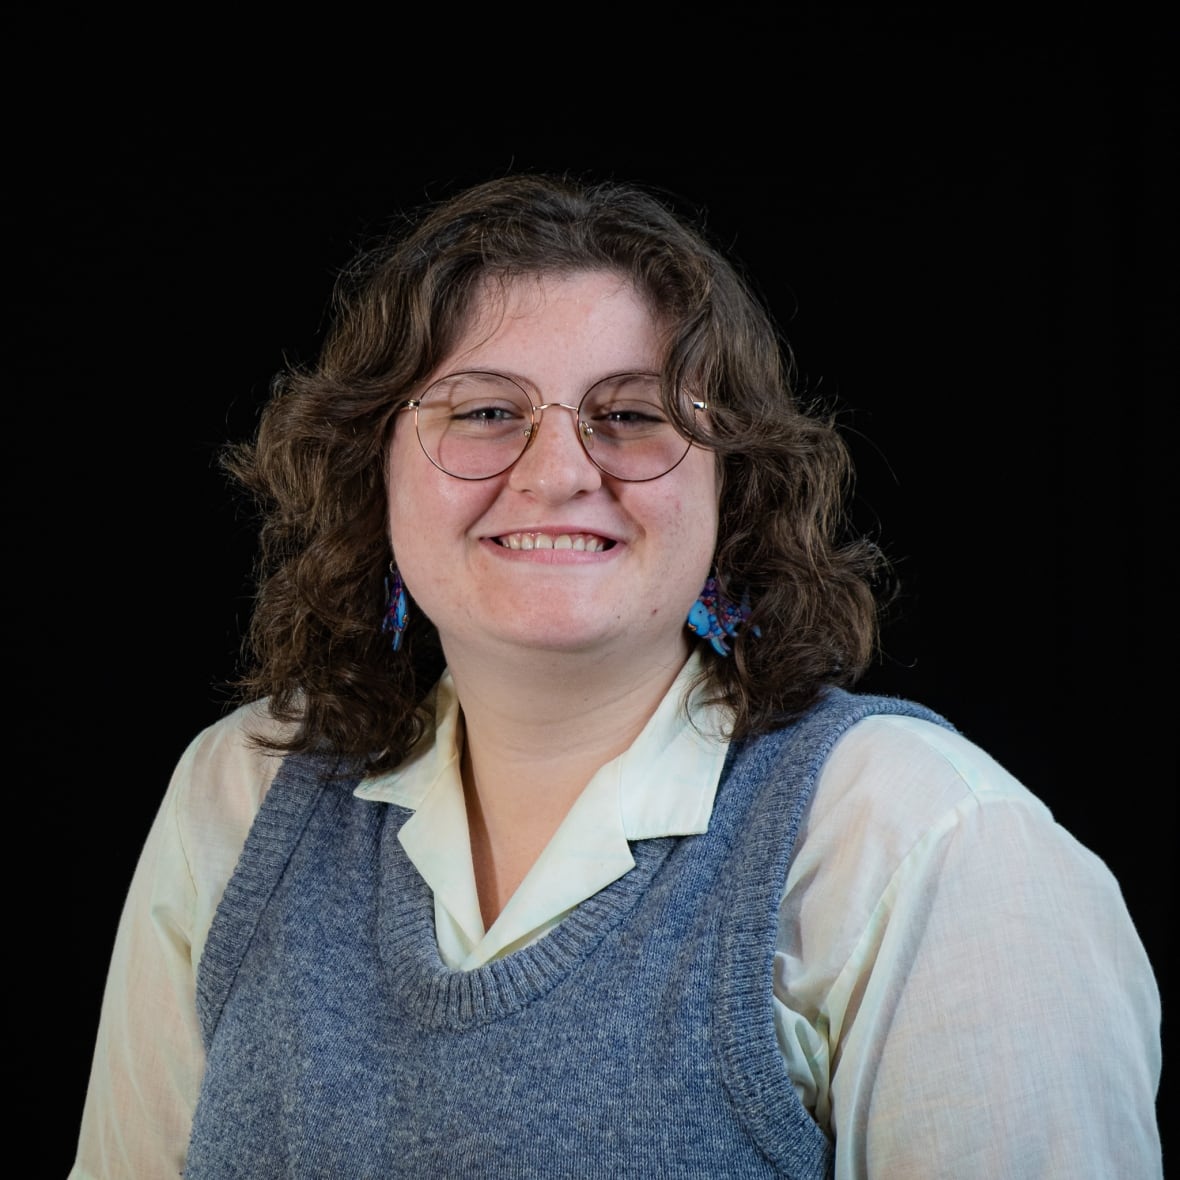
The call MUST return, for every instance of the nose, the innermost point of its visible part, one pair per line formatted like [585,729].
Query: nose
[554,465]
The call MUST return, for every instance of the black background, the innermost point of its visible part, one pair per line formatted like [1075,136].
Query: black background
[968,239]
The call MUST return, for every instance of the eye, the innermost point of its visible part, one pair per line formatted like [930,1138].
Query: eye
[490,412]
[483,420]
[623,413]
[475,404]
[626,404]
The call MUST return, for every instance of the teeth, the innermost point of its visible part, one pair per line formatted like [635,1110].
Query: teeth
[581,542]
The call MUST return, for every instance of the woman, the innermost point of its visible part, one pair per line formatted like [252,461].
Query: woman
[550,839]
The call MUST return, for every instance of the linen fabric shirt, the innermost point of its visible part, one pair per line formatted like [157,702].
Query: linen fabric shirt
[958,987]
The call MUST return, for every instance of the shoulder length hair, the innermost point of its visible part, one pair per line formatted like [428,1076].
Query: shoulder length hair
[315,470]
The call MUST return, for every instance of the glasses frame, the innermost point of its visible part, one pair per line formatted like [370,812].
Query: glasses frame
[582,428]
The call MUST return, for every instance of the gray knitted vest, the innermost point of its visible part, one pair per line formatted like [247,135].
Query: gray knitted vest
[633,1040]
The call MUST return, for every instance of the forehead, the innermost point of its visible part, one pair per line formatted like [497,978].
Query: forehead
[591,317]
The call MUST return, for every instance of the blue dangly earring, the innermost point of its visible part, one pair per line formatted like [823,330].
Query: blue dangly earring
[397,612]
[713,617]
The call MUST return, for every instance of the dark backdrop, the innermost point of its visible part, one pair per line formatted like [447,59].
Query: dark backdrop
[968,240]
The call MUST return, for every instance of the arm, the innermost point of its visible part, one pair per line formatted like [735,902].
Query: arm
[987,1007]
[148,1058]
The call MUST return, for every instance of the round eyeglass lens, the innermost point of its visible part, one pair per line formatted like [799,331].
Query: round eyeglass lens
[626,430]
[474,425]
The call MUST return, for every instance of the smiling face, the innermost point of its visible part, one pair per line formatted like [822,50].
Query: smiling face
[554,554]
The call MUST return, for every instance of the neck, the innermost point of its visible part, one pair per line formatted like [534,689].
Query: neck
[536,732]
[554,711]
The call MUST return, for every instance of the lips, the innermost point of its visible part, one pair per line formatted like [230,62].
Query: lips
[579,542]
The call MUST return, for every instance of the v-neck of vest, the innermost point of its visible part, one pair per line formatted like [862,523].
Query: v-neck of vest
[443,997]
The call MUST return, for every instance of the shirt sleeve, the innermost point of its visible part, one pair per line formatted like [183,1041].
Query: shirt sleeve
[146,1066]
[148,1057]
[960,977]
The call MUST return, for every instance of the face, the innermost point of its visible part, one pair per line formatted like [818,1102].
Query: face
[554,555]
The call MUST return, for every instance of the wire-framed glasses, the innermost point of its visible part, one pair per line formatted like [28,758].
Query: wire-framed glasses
[475,424]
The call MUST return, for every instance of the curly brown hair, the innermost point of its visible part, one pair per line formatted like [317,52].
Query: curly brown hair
[316,468]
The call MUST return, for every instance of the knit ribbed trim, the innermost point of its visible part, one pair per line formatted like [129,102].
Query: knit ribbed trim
[275,833]
[788,763]
[441,997]
[430,992]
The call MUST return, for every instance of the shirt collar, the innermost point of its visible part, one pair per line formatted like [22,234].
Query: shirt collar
[664,784]
[677,801]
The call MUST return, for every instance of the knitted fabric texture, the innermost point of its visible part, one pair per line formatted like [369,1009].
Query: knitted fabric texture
[634,1039]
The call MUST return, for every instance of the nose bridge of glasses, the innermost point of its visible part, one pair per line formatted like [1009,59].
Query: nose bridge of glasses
[556,405]
[581,426]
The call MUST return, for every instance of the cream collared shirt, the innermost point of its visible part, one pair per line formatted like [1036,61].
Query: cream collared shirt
[589,850]
[958,988]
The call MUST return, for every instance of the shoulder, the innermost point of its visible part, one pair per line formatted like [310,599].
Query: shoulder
[216,790]
[915,771]
[908,816]
[891,764]
[226,769]
[902,788]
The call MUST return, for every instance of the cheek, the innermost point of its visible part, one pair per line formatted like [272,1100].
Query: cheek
[697,505]
[700,543]
[425,505]
[399,474]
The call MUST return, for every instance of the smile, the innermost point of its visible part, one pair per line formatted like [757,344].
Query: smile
[582,542]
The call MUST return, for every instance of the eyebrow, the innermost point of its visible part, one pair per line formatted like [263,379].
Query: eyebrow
[529,384]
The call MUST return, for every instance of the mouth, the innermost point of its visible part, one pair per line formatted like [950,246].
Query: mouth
[579,542]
